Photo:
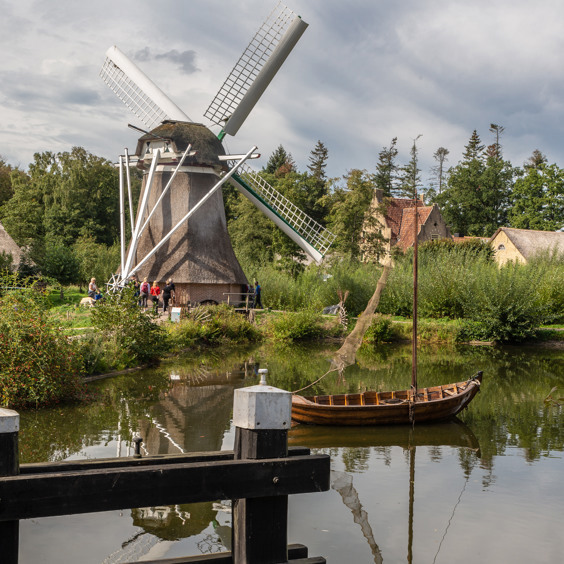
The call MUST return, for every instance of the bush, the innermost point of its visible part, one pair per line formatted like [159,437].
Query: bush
[301,326]
[39,366]
[212,324]
[130,334]
[503,304]
[380,331]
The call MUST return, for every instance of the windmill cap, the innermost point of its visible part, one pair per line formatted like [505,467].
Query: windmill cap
[182,133]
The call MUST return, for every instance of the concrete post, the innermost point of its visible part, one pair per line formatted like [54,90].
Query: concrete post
[262,417]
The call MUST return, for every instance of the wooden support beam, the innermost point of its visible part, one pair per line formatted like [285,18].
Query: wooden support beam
[296,552]
[88,491]
[100,463]
[9,466]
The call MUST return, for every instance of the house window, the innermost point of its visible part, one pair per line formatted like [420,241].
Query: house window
[501,247]
[434,236]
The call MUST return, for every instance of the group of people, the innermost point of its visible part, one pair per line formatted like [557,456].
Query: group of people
[153,292]
[146,291]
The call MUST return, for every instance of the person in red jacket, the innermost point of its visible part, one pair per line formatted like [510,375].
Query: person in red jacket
[155,292]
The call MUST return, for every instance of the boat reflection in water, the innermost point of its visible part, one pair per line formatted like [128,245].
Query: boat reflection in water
[453,433]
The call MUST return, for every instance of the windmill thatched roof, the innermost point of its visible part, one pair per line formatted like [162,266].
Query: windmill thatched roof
[9,246]
[530,242]
[207,145]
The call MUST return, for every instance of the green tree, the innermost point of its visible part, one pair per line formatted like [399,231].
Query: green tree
[410,174]
[95,260]
[538,197]
[476,199]
[6,190]
[280,162]
[64,196]
[385,178]
[59,262]
[348,208]
[318,162]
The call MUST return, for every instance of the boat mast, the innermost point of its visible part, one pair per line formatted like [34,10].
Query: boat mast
[414,337]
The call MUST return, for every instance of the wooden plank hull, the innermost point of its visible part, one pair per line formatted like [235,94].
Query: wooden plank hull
[386,408]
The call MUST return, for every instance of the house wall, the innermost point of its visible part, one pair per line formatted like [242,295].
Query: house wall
[508,252]
[196,293]
[434,228]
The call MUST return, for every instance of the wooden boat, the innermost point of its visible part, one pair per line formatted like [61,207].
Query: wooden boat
[409,406]
[435,403]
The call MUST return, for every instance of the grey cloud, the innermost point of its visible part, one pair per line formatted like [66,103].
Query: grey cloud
[143,55]
[186,60]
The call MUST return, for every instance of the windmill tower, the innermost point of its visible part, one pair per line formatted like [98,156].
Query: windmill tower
[180,230]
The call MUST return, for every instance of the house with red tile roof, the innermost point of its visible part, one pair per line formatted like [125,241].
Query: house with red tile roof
[394,218]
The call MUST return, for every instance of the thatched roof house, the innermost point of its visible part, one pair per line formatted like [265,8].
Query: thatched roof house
[520,245]
[10,247]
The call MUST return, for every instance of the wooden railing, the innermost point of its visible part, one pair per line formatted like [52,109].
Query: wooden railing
[258,476]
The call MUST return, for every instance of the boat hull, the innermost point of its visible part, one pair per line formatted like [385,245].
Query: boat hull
[391,408]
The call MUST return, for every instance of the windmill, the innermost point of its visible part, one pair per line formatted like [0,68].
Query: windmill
[179,230]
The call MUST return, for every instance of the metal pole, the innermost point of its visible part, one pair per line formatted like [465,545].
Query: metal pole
[131,215]
[121,215]
[415,289]
[136,234]
[166,188]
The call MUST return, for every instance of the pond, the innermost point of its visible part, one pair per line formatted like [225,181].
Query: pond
[487,487]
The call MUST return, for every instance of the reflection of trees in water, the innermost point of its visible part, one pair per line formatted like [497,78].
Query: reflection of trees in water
[356,459]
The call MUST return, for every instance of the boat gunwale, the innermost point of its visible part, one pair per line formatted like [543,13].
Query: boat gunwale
[475,381]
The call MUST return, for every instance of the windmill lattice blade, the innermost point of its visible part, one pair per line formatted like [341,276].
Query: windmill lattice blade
[255,69]
[137,91]
[310,235]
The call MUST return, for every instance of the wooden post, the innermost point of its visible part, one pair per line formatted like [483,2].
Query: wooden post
[262,417]
[9,466]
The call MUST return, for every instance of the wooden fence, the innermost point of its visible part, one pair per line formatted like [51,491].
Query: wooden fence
[258,476]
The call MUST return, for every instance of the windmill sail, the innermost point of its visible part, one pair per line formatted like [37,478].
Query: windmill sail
[137,91]
[256,67]
[311,236]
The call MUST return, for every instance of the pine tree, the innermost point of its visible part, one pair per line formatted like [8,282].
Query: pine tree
[280,162]
[410,175]
[318,162]
[386,170]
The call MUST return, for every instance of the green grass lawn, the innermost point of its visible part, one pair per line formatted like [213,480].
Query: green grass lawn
[67,311]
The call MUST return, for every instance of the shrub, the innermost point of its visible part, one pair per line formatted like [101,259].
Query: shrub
[39,366]
[380,331]
[299,326]
[130,334]
[503,304]
[212,324]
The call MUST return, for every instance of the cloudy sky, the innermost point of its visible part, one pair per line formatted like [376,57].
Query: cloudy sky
[364,72]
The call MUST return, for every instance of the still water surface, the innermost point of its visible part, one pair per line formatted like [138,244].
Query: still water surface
[487,488]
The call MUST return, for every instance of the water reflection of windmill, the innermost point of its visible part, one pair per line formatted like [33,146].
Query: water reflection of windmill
[180,228]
